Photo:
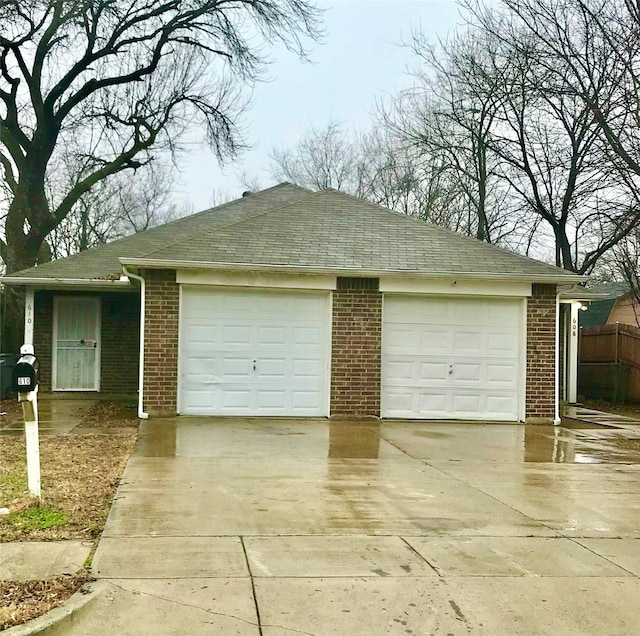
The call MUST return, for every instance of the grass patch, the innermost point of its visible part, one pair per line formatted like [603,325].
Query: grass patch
[79,476]
[38,519]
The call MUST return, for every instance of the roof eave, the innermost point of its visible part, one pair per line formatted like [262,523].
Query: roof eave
[83,283]
[152,263]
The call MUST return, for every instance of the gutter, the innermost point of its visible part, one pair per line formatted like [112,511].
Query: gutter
[154,263]
[141,413]
[63,282]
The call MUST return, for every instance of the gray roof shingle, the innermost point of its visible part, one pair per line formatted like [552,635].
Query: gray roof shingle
[290,227]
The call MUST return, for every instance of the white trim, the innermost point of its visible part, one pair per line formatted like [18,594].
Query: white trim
[180,341]
[524,325]
[350,271]
[329,355]
[29,312]
[83,283]
[571,373]
[97,301]
[454,287]
[263,280]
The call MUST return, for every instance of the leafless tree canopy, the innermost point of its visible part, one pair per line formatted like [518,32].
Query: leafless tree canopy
[92,88]
[522,128]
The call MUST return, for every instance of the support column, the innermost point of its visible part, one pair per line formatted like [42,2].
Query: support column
[356,348]
[572,346]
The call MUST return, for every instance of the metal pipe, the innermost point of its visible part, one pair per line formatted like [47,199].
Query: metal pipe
[141,413]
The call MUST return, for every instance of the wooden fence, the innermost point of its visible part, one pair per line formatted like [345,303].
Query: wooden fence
[609,362]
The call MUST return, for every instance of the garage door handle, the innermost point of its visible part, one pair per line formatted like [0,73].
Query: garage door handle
[254,365]
[450,369]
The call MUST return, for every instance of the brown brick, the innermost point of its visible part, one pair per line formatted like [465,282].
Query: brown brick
[356,348]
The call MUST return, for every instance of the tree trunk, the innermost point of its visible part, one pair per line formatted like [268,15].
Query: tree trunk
[23,251]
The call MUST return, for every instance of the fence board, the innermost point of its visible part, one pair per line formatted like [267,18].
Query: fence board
[601,347]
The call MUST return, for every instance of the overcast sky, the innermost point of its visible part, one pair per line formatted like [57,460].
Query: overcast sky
[360,60]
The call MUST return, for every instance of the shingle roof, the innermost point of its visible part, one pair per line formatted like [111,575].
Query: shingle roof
[102,261]
[290,227]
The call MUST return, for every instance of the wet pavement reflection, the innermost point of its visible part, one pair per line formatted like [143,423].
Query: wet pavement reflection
[366,440]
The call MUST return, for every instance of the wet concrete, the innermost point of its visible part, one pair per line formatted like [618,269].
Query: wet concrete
[280,526]
[55,416]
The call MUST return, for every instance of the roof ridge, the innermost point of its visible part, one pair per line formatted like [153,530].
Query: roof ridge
[232,222]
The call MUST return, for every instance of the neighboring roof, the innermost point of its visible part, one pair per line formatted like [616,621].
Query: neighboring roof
[609,290]
[597,312]
[290,228]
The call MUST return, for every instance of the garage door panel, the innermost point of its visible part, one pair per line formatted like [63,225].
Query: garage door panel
[236,335]
[500,405]
[305,368]
[232,367]
[465,363]
[436,403]
[236,399]
[502,374]
[431,370]
[272,335]
[306,400]
[275,399]
[249,352]
[467,342]
[467,372]
[431,341]
[466,406]
[272,368]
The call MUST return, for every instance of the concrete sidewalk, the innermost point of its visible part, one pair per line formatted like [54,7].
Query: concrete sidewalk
[276,527]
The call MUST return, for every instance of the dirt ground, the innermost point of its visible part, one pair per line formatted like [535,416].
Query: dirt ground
[80,474]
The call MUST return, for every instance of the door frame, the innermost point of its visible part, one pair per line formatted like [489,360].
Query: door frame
[96,301]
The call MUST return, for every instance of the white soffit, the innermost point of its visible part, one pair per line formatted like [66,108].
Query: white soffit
[255,279]
[454,286]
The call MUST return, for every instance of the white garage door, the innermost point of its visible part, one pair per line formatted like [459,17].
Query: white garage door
[254,353]
[452,358]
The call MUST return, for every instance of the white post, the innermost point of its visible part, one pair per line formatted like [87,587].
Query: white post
[30,411]
[29,400]
[572,384]
[28,316]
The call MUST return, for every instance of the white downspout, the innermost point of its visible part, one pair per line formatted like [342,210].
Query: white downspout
[141,414]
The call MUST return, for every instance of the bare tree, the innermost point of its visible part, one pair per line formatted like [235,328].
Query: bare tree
[509,128]
[448,117]
[108,82]
[375,165]
[592,49]
[117,206]
[323,158]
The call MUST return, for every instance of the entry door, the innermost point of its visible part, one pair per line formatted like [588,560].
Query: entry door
[76,343]
[250,352]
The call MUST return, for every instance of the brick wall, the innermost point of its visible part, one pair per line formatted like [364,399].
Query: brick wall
[161,342]
[356,351]
[541,325]
[43,335]
[120,315]
[120,343]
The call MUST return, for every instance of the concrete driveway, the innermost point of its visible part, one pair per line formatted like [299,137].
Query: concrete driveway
[276,527]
